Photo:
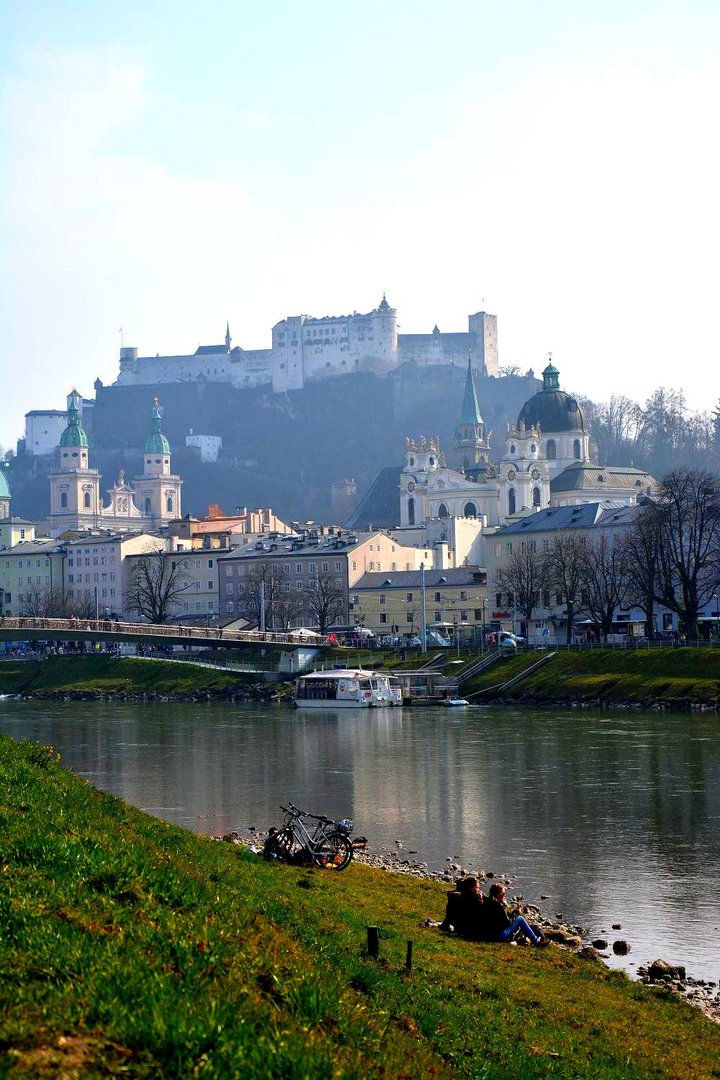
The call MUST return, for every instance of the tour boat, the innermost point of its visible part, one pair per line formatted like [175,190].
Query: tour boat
[346,688]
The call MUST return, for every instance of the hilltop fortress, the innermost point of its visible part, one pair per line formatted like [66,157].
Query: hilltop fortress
[306,348]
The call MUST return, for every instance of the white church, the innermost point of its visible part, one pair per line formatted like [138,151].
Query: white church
[76,502]
[546,462]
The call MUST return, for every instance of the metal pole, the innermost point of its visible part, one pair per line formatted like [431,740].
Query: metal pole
[262,606]
[97,610]
[423,613]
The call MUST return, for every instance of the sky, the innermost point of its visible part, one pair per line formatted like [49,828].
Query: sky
[168,166]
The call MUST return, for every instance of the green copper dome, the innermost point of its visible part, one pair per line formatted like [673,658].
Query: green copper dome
[73,435]
[4,486]
[156,443]
[552,409]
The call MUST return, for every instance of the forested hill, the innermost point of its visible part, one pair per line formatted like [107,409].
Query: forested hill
[283,451]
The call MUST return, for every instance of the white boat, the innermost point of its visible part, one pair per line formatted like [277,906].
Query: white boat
[346,688]
[455,701]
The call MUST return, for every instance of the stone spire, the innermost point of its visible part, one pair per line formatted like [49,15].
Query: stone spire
[470,413]
[228,339]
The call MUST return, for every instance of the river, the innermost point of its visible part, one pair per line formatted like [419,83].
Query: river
[613,817]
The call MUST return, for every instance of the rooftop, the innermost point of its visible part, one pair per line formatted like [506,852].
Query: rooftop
[412,579]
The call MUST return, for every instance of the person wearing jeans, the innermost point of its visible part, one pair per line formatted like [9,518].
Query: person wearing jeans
[499,925]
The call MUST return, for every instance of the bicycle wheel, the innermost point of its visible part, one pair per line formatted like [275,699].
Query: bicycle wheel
[336,852]
[280,845]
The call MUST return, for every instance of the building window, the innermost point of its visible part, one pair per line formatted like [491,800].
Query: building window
[63,500]
[411,511]
[313,568]
[463,615]
[536,496]
[169,504]
[470,510]
[442,510]
[382,598]
[438,597]
[576,450]
[298,568]
[86,500]
[551,450]
[478,614]
[148,507]
[511,501]
[438,616]
[326,567]
[383,616]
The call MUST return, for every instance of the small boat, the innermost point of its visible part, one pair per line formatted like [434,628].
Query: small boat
[346,688]
[455,701]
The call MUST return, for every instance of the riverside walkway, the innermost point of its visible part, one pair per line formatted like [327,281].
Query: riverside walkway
[109,631]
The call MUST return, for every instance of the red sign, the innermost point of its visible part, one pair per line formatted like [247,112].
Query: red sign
[500,615]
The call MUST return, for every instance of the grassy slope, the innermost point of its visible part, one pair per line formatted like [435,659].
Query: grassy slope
[107,675]
[673,676]
[130,947]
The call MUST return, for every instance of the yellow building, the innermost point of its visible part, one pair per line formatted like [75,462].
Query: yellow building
[455,602]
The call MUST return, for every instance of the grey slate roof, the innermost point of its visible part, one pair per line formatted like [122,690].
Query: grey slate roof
[324,547]
[381,504]
[210,350]
[582,475]
[556,517]
[412,579]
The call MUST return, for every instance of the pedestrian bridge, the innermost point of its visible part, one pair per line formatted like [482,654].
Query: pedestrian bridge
[111,631]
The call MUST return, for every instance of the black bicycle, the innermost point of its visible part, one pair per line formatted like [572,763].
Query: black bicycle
[326,844]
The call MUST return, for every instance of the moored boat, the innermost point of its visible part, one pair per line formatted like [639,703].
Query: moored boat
[346,688]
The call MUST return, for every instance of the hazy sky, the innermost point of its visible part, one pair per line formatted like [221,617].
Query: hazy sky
[170,165]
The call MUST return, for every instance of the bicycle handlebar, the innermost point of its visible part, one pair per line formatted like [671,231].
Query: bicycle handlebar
[295,812]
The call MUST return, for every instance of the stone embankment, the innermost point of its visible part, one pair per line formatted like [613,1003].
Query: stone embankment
[703,994]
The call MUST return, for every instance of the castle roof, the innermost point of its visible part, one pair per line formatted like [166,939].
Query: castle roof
[551,408]
[156,443]
[73,435]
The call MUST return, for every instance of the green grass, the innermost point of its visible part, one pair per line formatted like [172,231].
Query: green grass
[674,677]
[102,674]
[132,948]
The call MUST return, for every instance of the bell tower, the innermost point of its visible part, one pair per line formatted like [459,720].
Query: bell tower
[157,491]
[74,487]
[472,449]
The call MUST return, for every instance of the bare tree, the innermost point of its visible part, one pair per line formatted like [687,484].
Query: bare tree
[686,518]
[605,587]
[41,602]
[566,564]
[156,584]
[265,585]
[325,599]
[287,607]
[523,576]
[641,545]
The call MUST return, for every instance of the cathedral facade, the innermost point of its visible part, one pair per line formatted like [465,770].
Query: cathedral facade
[75,497]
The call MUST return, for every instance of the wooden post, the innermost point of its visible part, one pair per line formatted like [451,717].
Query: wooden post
[373,934]
[408,957]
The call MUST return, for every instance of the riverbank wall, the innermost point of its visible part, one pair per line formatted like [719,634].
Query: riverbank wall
[132,947]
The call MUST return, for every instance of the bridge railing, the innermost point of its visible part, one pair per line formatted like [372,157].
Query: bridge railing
[183,633]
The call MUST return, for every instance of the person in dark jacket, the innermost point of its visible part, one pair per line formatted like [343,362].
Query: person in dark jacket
[465,910]
[499,925]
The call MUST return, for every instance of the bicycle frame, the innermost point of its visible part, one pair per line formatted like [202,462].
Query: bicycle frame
[316,844]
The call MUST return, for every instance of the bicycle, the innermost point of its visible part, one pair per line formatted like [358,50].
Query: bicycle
[328,844]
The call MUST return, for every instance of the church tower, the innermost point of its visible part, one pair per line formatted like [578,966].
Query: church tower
[472,449]
[157,491]
[74,487]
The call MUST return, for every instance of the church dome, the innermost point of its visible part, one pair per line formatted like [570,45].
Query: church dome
[551,409]
[4,486]
[73,435]
[156,443]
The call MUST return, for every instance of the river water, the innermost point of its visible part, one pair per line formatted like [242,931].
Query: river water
[614,817]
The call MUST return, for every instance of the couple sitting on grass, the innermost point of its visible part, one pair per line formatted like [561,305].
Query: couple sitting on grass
[485,918]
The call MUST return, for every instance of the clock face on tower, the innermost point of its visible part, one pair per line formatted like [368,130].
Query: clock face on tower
[535,474]
[511,474]
[411,485]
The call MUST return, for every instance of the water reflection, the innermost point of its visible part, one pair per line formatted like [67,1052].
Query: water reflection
[615,818]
